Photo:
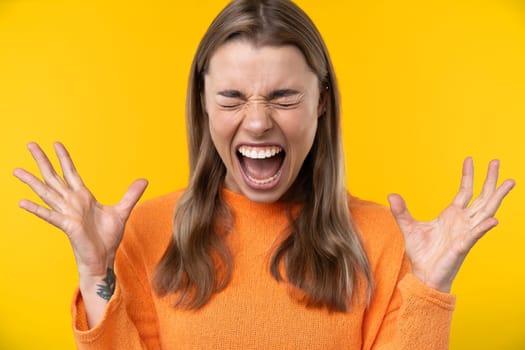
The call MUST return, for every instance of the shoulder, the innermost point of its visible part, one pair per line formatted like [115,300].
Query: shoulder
[161,203]
[157,209]
[378,231]
[150,225]
[372,219]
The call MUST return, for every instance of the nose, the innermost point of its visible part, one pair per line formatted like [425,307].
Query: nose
[257,119]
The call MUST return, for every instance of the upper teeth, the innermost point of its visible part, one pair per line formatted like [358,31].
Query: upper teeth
[259,152]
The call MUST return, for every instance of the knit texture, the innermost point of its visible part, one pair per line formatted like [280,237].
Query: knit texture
[255,311]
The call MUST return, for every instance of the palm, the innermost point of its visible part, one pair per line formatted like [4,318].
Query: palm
[437,248]
[94,230]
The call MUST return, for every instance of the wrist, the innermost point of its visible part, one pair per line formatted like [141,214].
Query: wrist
[96,292]
[95,267]
[100,285]
[442,286]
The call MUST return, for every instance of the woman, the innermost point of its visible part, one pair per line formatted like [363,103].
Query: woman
[265,248]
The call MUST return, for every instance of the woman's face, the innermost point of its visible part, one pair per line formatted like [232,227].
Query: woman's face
[263,104]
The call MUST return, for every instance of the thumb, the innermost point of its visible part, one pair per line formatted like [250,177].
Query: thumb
[399,210]
[131,197]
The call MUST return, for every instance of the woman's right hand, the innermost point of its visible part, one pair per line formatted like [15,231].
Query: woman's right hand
[94,230]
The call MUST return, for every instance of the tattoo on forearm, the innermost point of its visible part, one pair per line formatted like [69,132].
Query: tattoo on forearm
[106,290]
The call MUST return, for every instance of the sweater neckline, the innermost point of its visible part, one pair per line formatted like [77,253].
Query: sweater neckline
[241,203]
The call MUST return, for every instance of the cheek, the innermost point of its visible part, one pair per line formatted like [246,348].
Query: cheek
[221,132]
[308,137]
[300,129]
[217,133]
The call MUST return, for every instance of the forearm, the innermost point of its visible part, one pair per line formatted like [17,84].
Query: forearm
[96,292]
[422,320]
[126,321]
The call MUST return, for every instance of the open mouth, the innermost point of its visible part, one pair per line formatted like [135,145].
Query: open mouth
[261,165]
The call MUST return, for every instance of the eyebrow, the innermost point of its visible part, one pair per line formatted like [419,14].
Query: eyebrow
[271,96]
[231,94]
[282,93]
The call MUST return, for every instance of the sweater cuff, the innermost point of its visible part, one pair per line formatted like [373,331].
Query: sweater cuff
[414,286]
[83,333]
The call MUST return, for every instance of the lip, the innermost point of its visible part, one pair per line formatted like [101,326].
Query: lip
[258,186]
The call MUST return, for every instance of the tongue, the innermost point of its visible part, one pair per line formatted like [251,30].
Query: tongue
[261,169]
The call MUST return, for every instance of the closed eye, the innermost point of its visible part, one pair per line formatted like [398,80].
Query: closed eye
[282,99]
[285,105]
[229,102]
[285,98]
[229,106]
[230,99]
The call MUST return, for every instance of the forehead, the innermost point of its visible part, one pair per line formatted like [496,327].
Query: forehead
[241,61]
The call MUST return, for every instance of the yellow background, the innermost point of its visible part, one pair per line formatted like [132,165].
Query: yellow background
[424,84]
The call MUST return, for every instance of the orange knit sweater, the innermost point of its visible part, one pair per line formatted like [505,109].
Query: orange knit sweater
[255,311]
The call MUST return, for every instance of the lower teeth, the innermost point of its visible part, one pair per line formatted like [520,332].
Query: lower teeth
[265,181]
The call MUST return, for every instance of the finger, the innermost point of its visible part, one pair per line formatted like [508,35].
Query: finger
[491,180]
[479,231]
[44,165]
[45,192]
[495,201]
[489,186]
[50,216]
[68,167]
[464,194]
[131,197]
[400,210]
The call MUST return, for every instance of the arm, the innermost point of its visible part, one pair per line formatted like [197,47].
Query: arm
[417,314]
[94,230]
[417,317]
[129,321]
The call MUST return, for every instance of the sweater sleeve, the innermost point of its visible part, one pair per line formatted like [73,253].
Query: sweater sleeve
[404,313]
[130,320]
[418,317]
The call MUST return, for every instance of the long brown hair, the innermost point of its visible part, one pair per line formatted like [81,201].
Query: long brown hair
[322,255]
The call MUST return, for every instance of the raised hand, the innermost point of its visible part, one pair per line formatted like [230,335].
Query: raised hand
[437,248]
[93,229]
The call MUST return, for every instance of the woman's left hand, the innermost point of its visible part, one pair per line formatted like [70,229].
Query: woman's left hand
[437,248]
